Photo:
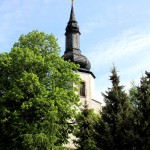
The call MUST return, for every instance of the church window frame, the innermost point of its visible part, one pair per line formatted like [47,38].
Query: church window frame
[82,90]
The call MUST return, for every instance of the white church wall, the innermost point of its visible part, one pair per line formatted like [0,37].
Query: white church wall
[96,105]
[90,91]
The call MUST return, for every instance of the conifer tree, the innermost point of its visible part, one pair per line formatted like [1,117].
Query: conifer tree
[142,114]
[84,130]
[113,128]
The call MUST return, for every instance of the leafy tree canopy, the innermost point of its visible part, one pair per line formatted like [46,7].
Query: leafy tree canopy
[36,94]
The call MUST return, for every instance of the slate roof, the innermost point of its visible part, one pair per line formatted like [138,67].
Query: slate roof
[74,55]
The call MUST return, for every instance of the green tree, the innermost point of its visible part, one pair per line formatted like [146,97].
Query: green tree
[112,131]
[84,130]
[142,114]
[132,95]
[36,94]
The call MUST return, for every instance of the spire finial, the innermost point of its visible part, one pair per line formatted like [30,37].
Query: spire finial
[72,1]
[72,16]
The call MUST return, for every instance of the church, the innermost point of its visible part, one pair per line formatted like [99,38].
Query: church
[73,53]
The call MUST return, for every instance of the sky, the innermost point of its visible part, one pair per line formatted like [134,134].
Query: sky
[113,33]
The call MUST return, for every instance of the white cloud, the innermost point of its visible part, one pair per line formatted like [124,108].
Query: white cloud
[130,44]
[129,51]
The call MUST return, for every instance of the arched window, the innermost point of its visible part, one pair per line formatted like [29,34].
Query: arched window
[82,89]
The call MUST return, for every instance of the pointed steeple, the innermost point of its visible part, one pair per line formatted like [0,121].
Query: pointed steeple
[72,16]
[72,50]
[72,24]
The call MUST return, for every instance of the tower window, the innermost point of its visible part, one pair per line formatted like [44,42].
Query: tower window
[82,89]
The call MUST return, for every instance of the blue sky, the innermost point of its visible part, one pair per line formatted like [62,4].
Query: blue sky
[112,32]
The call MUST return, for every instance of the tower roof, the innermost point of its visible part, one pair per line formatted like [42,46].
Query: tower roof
[72,16]
[73,52]
[72,24]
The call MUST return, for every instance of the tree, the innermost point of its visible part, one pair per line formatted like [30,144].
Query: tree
[84,130]
[132,95]
[36,94]
[112,131]
[141,113]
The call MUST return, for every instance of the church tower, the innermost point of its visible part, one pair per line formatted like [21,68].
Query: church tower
[73,53]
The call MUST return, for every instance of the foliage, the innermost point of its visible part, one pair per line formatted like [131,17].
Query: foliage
[84,130]
[141,95]
[112,131]
[36,100]
[132,94]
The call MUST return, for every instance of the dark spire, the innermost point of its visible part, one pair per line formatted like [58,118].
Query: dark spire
[72,24]
[72,51]
[72,16]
